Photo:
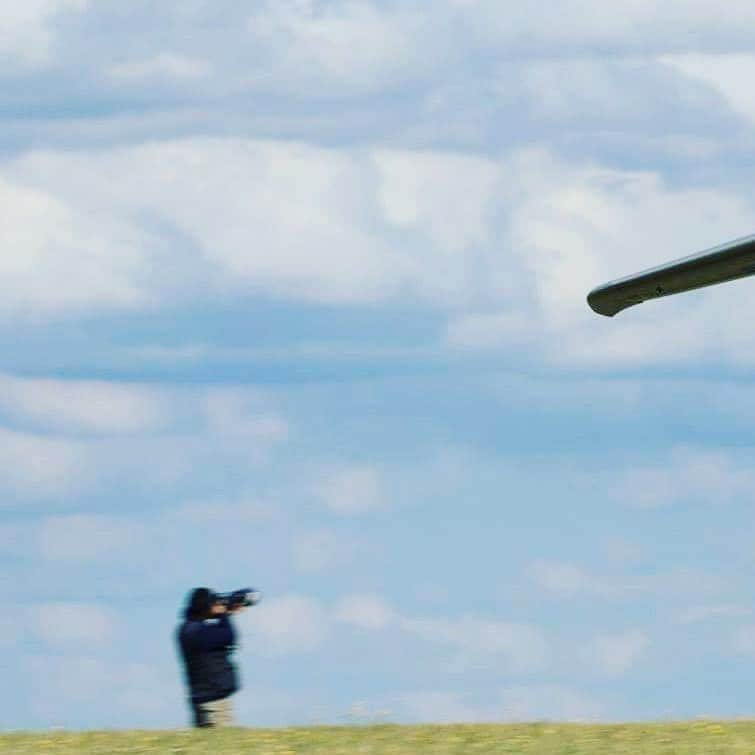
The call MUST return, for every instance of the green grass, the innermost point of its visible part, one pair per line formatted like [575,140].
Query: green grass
[681,739]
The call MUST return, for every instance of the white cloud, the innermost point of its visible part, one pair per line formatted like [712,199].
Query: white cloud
[519,648]
[41,468]
[58,259]
[616,654]
[86,406]
[163,65]
[729,75]
[271,217]
[318,50]
[242,415]
[568,580]
[27,30]
[687,475]
[638,27]
[566,90]
[577,227]
[515,704]
[289,220]
[365,612]
[447,209]
[289,625]
[120,436]
[294,624]
[474,642]
[37,468]
[507,248]
[64,624]
[443,196]
[352,490]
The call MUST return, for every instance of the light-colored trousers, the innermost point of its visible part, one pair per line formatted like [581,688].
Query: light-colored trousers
[214,713]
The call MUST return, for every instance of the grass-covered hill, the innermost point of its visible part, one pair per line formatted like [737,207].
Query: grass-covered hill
[702,737]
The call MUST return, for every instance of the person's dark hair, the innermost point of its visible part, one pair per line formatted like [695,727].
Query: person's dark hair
[199,603]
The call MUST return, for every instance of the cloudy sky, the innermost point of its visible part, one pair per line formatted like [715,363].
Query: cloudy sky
[292,294]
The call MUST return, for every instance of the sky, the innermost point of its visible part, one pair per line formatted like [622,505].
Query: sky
[292,295]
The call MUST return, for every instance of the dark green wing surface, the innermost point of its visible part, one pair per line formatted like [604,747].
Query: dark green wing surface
[718,265]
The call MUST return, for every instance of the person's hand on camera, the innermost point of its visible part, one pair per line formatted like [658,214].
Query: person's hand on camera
[218,609]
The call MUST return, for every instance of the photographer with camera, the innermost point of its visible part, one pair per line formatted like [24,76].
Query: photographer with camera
[206,640]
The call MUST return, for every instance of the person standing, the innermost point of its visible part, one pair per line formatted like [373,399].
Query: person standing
[206,640]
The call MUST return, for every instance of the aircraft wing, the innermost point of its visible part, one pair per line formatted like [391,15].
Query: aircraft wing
[718,265]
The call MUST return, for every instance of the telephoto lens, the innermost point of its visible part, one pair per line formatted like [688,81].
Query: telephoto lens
[246,596]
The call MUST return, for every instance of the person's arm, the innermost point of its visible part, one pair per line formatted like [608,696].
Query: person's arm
[216,636]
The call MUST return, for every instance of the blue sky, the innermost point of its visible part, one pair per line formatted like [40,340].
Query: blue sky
[292,294]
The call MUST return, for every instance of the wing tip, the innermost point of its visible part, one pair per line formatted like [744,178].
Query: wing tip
[599,305]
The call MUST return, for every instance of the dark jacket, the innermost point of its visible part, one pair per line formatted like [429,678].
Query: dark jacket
[206,648]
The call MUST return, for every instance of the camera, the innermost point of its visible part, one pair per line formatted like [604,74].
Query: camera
[246,596]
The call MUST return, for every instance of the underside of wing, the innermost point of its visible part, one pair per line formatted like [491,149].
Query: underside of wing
[723,263]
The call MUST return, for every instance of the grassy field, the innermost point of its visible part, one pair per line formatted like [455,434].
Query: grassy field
[681,739]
